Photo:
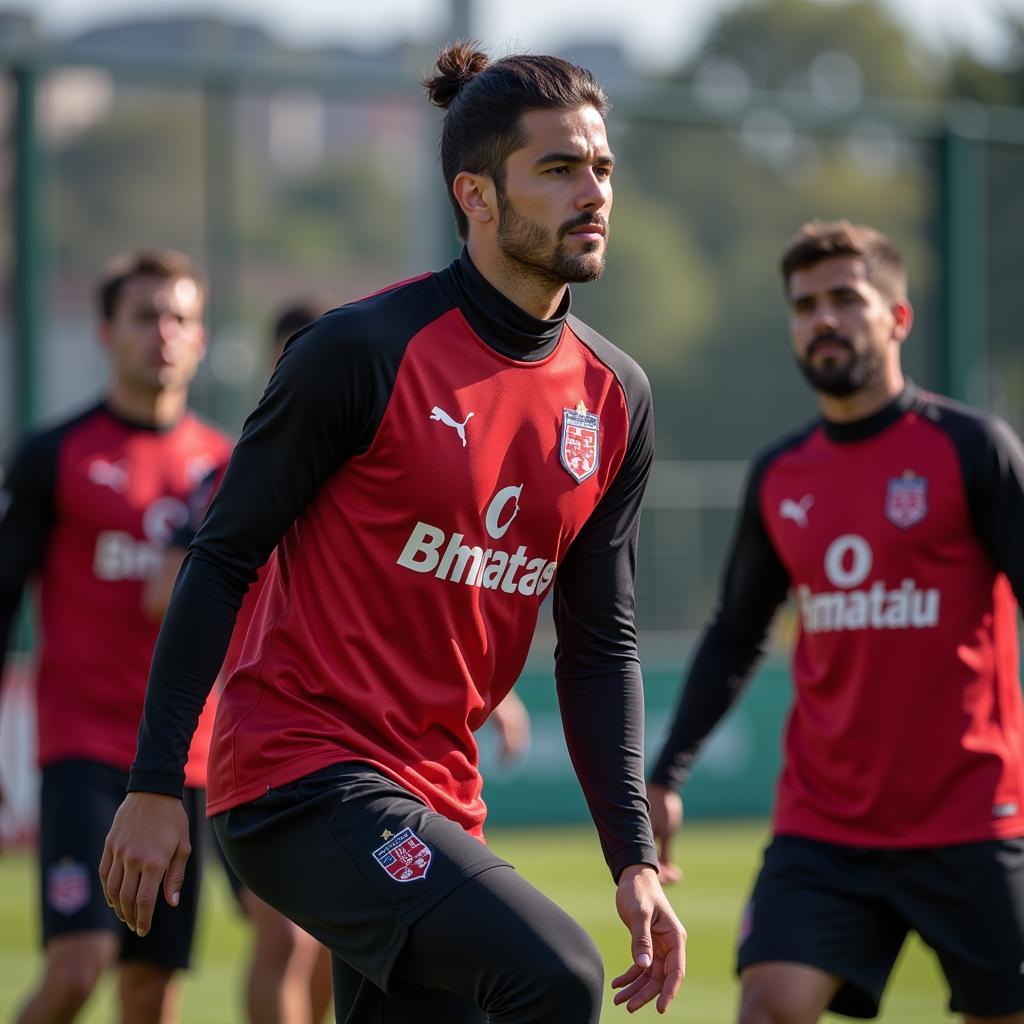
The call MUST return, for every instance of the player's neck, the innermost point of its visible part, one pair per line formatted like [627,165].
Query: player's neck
[863,403]
[538,296]
[156,409]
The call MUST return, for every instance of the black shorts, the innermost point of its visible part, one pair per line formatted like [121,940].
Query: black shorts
[77,805]
[351,857]
[847,910]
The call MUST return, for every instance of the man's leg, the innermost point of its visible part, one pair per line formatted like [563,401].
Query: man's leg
[967,903]
[785,993]
[412,903]
[149,994]
[81,935]
[74,963]
[817,934]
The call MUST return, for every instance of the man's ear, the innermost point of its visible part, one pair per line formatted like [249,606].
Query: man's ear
[476,195]
[903,319]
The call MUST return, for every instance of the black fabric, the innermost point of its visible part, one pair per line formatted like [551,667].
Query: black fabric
[455,928]
[992,463]
[495,942]
[847,911]
[27,510]
[77,806]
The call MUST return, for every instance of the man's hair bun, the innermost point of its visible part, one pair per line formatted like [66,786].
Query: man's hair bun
[457,64]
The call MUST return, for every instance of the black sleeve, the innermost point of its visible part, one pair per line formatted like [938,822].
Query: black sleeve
[27,509]
[992,459]
[597,667]
[754,585]
[322,406]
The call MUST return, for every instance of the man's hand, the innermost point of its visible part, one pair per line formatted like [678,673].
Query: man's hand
[148,841]
[511,722]
[659,941]
[666,819]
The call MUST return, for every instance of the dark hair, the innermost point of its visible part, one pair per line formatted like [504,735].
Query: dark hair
[164,264]
[294,317]
[485,100]
[821,240]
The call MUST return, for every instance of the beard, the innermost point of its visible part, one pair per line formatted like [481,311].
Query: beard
[543,254]
[840,379]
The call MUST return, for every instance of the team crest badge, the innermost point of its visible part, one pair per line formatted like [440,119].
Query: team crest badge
[906,500]
[67,886]
[405,857]
[580,449]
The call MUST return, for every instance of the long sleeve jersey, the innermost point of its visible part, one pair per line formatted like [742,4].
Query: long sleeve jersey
[901,539]
[428,463]
[87,508]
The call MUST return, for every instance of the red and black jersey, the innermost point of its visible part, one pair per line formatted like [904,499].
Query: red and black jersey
[429,464]
[901,539]
[89,506]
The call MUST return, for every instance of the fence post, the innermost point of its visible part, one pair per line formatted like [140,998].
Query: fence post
[29,242]
[963,295]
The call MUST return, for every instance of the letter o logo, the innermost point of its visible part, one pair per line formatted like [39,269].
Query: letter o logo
[495,511]
[848,561]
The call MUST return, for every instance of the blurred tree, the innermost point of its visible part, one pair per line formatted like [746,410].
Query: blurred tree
[973,78]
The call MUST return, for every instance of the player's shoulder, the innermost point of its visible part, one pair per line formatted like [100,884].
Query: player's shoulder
[623,366]
[378,322]
[967,426]
[788,444]
[47,439]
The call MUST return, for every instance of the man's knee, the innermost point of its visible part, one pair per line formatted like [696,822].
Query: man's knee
[785,993]
[148,994]
[74,965]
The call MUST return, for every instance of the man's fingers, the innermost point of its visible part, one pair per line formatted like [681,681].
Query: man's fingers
[174,879]
[669,873]
[145,899]
[627,977]
[642,948]
[112,887]
[126,894]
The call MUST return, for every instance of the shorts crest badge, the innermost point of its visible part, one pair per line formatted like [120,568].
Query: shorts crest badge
[405,857]
[906,500]
[67,886]
[579,449]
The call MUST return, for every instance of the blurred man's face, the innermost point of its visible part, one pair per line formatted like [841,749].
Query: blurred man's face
[843,328]
[156,336]
[557,196]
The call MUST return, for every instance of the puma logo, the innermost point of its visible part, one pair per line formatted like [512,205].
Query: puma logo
[437,413]
[796,510]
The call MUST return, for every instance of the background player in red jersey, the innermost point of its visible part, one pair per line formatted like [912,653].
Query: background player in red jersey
[425,464]
[897,522]
[89,505]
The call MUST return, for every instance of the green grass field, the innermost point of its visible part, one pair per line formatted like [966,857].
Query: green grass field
[719,861]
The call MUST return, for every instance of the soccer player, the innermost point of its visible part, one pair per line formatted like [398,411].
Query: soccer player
[428,463]
[896,521]
[89,505]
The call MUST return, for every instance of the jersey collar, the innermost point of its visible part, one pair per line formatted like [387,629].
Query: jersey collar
[504,326]
[861,430]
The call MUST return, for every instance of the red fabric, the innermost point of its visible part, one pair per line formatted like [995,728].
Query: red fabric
[339,662]
[120,491]
[907,724]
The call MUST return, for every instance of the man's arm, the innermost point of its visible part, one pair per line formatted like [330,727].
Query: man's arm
[754,585]
[26,520]
[993,465]
[600,693]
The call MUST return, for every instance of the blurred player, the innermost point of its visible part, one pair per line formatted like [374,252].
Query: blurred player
[427,462]
[89,505]
[896,521]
